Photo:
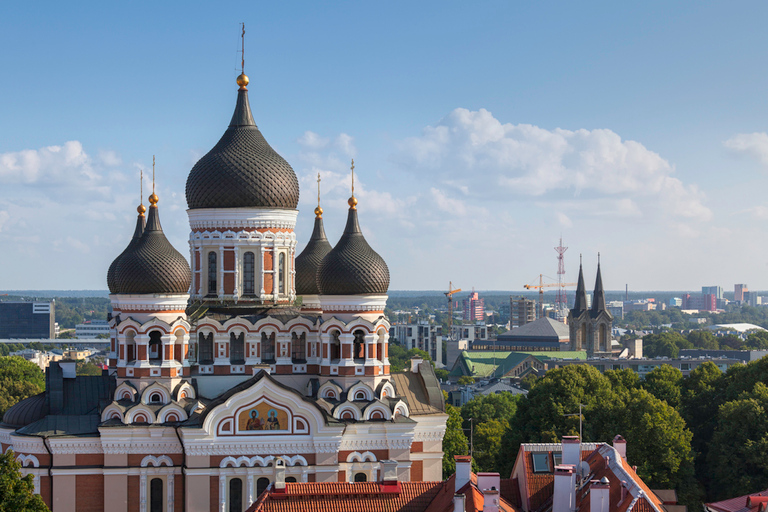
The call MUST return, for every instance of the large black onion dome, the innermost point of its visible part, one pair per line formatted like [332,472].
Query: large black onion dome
[112,272]
[242,170]
[352,267]
[152,265]
[26,412]
[308,262]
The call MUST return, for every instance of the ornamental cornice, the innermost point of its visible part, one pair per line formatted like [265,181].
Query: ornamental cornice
[255,448]
[429,435]
[239,218]
[133,447]
[62,447]
[400,443]
[27,445]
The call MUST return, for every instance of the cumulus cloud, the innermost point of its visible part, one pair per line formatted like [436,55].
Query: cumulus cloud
[52,164]
[477,154]
[751,145]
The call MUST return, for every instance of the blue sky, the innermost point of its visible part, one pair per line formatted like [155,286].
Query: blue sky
[481,132]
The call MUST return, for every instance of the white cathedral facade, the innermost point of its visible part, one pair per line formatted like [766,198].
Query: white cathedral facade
[216,377]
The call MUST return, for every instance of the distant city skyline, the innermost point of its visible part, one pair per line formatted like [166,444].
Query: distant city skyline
[481,133]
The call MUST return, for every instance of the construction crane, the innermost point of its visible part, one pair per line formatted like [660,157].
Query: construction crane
[540,287]
[449,295]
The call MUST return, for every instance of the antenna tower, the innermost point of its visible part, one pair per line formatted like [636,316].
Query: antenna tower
[561,299]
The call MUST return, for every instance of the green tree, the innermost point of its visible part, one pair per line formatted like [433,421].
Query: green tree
[487,438]
[665,344]
[665,383]
[465,380]
[17,493]
[703,339]
[498,406]
[757,340]
[19,379]
[442,374]
[454,441]
[87,368]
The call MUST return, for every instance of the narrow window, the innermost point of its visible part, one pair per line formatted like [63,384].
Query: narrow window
[249,273]
[299,347]
[358,347]
[236,495]
[156,495]
[261,485]
[155,346]
[267,348]
[212,274]
[361,477]
[335,346]
[237,348]
[281,273]
[206,348]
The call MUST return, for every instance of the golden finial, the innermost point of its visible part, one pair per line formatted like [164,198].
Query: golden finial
[242,80]
[141,208]
[352,201]
[153,199]
[318,210]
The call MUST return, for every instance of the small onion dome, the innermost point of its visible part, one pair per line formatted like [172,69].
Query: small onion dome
[309,260]
[352,267]
[242,170]
[152,265]
[26,412]
[136,235]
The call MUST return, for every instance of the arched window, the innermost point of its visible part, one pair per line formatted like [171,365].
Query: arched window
[237,348]
[261,485]
[206,348]
[130,346]
[236,495]
[178,349]
[582,338]
[299,347]
[155,346]
[212,273]
[361,477]
[267,348]
[249,274]
[290,479]
[156,495]
[358,347]
[602,338]
[281,273]
[347,415]
[335,346]
[155,398]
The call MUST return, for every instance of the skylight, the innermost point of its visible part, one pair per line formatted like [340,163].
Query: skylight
[541,463]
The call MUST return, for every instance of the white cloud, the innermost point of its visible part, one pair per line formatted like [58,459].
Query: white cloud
[476,153]
[752,145]
[4,217]
[312,140]
[53,164]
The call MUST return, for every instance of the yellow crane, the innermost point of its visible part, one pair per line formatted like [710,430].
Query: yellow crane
[540,287]
[449,295]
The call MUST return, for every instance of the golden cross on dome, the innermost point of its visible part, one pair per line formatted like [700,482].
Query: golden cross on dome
[153,198]
[242,50]
[352,201]
[141,208]
[318,210]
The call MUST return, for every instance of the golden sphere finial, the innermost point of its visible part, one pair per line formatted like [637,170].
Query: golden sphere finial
[352,203]
[242,80]
[318,212]
[153,199]
[141,209]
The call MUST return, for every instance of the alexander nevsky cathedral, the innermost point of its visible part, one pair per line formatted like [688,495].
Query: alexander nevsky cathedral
[245,360]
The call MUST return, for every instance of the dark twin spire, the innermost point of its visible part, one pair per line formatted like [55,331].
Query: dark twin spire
[598,297]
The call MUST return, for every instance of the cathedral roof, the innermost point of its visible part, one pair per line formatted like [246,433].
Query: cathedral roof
[112,272]
[598,298]
[152,265]
[308,262]
[242,170]
[580,304]
[27,411]
[352,267]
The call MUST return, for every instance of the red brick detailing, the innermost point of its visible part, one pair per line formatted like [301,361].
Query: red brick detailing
[417,471]
[269,260]
[45,489]
[313,369]
[178,493]
[417,446]
[229,259]
[215,460]
[229,283]
[214,494]
[283,369]
[221,370]
[135,460]
[346,370]
[342,476]
[249,230]
[346,350]
[325,370]
[311,478]
[90,493]
[371,370]
[133,492]
[142,352]
[89,459]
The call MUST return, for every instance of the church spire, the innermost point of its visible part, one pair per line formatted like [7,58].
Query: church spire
[580,304]
[598,298]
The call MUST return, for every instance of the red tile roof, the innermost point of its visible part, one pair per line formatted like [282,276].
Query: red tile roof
[741,503]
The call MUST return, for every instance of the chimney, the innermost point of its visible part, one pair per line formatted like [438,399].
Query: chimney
[488,481]
[490,501]
[415,362]
[564,499]
[620,445]
[279,475]
[463,470]
[54,384]
[571,450]
[599,495]
[458,503]
[388,470]
[68,368]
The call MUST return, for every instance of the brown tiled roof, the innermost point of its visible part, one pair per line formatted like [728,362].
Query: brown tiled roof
[738,504]
[349,497]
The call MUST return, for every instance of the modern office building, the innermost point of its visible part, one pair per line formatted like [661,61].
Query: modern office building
[31,320]
[717,291]
[92,329]
[521,311]
[738,292]
[473,307]
[421,335]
